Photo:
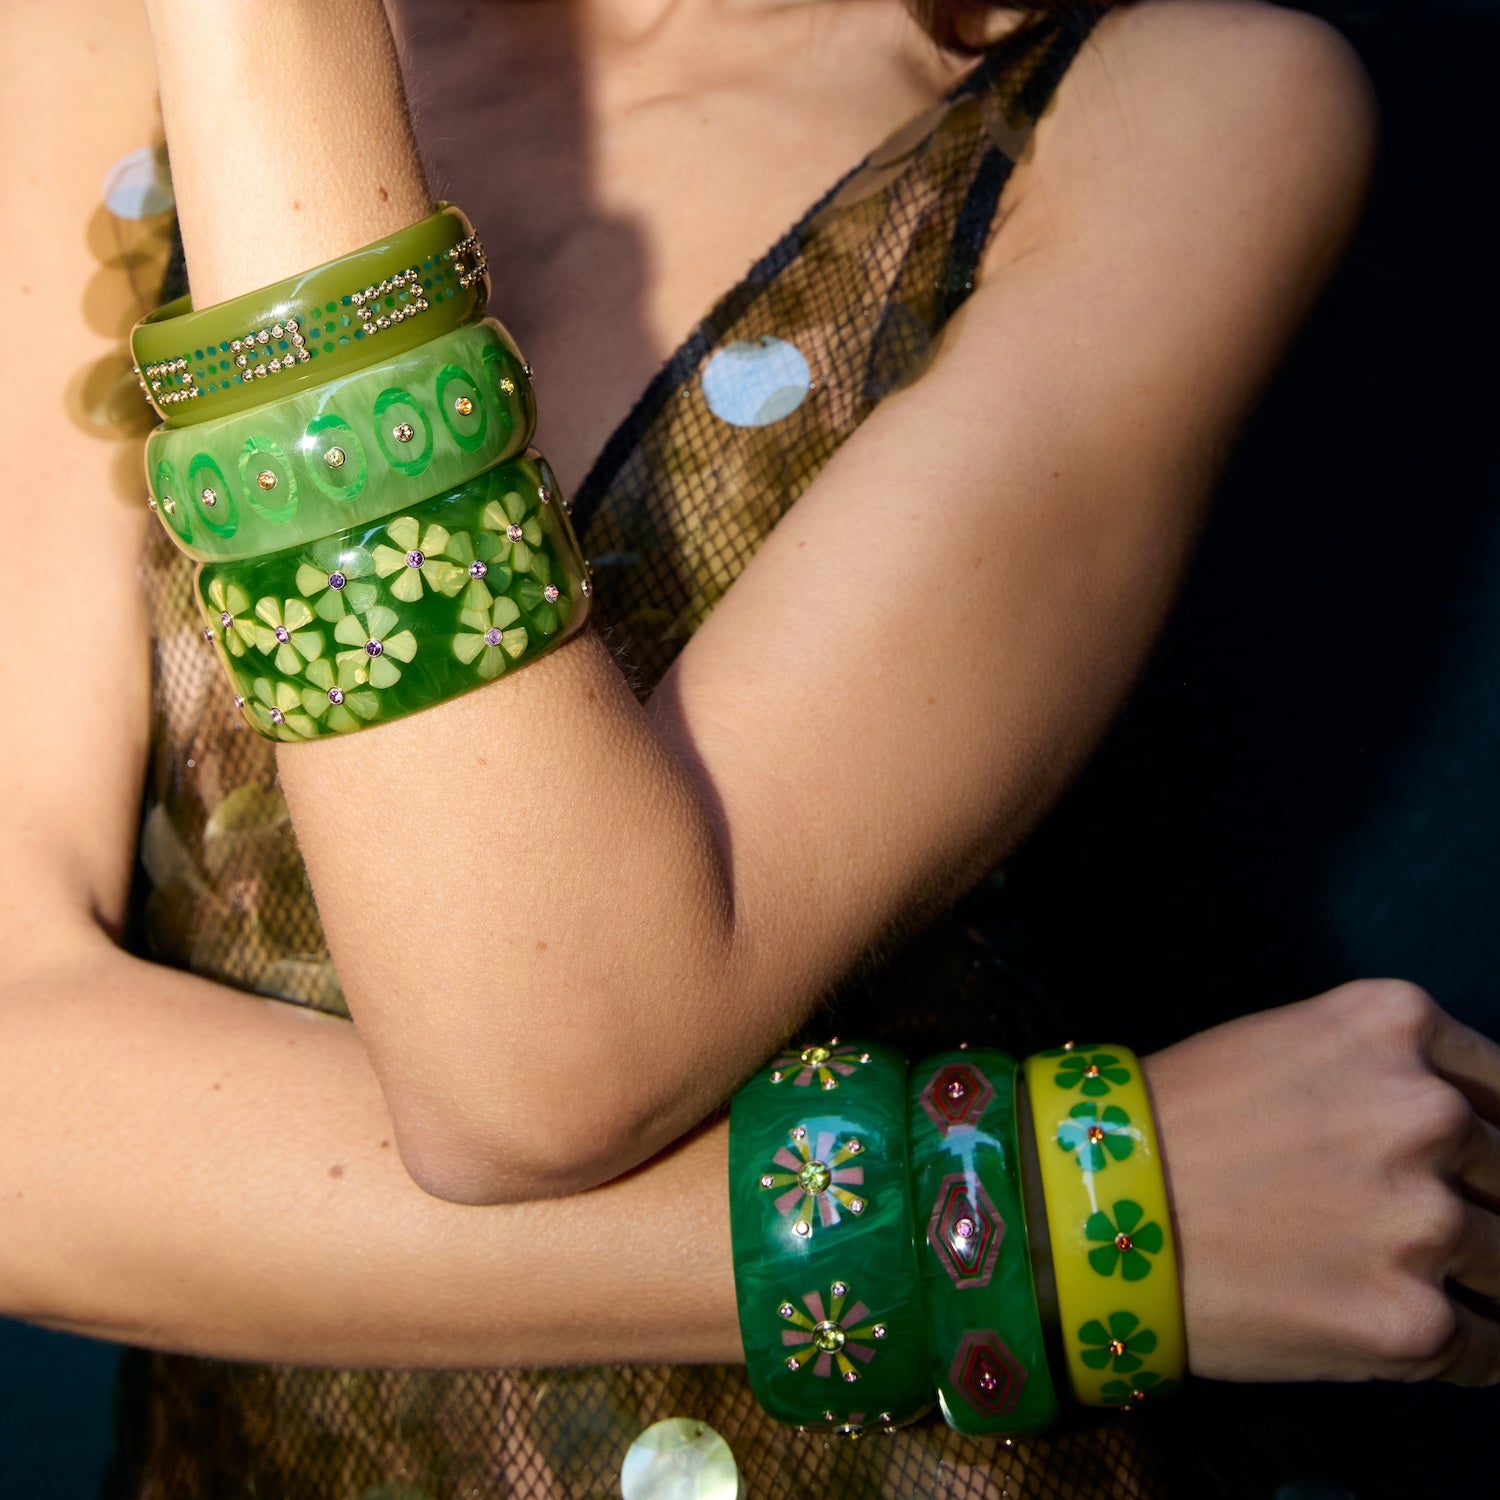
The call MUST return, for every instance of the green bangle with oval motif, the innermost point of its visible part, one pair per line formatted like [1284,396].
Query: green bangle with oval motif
[344,453]
[984,1329]
[1118,1299]
[399,614]
[825,1270]
[383,299]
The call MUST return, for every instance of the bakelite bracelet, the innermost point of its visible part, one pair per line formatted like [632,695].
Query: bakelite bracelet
[824,1265]
[384,299]
[359,446]
[984,1330]
[1117,1289]
[399,614]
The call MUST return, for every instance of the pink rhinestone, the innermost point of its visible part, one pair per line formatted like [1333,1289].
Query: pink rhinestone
[964,1229]
[550,593]
[514,533]
[957,1089]
[282,634]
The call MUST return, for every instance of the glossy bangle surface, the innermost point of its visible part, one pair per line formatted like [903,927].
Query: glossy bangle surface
[1107,1211]
[387,618]
[824,1265]
[343,453]
[390,296]
[984,1330]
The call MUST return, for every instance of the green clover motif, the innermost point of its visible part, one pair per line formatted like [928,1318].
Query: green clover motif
[230,602]
[492,636]
[276,710]
[1134,1392]
[417,556]
[516,528]
[337,693]
[376,651]
[281,631]
[477,561]
[331,581]
[547,606]
[1097,1135]
[1123,1240]
[1094,1074]
[1120,1345]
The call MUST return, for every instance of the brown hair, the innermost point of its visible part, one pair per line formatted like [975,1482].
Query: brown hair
[955,24]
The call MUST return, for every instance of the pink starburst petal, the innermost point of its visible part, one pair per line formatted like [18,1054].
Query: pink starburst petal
[823,1365]
[826,1211]
[861,1352]
[787,1158]
[847,1069]
[825,1145]
[855,1316]
[788,1200]
[791,1337]
[813,1302]
[845,1176]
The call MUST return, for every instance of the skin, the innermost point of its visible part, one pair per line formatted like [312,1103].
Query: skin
[1159,248]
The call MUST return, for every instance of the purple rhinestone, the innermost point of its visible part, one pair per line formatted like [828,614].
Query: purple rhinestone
[335,695]
[987,1383]
[415,558]
[514,533]
[208,635]
[226,619]
[550,593]
[964,1229]
[957,1089]
[478,569]
[492,636]
[336,580]
[277,717]
[282,634]
[238,701]
[544,495]
[373,648]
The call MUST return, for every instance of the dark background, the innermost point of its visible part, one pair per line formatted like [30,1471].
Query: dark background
[1305,787]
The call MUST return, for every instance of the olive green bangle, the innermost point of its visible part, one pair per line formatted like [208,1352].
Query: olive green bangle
[825,1269]
[399,614]
[392,295]
[984,1330]
[346,452]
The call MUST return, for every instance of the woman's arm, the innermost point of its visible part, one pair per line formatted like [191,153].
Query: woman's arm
[623,909]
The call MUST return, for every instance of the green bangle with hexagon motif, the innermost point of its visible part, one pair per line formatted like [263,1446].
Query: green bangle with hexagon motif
[396,615]
[825,1270]
[346,452]
[984,1329]
[383,299]
[1119,1304]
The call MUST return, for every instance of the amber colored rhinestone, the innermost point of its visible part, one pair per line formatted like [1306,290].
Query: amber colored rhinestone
[1123,1242]
[1096,1133]
[1117,1347]
[1092,1071]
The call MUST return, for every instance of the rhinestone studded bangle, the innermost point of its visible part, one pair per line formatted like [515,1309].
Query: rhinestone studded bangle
[1107,1210]
[984,1330]
[346,452]
[824,1265]
[384,299]
[396,615]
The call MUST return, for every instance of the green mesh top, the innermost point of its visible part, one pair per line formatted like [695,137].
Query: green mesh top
[843,309]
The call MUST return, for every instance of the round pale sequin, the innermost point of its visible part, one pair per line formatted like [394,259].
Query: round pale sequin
[139,185]
[755,382]
[679,1459]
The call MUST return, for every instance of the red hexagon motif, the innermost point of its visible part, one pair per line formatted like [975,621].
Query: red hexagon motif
[987,1373]
[956,1095]
[965,1230]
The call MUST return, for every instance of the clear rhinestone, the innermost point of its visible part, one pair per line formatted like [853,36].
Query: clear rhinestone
[478,569]
[463,406]
[508,386]
[786,1310]
[768,1181]
[277,331]
[588,588]
[263,337]
[239,702]
[282,634]
[801,1230]
[550,593]
[856,1205]
[209,498]
[415,558]
[850,1376]
[374,648]
[292,325]
[853,1145]
[492,636]
[878,1331]
[514,533]
[957,1089]
[169,505]
[241,360]
[792,1362]
[336,580]
[799,1132]
[840,1289]
[335,695]
[266,479]
[151,502]
[334,458]
[777,1075]
[236,346]
[402,432]
[208,634]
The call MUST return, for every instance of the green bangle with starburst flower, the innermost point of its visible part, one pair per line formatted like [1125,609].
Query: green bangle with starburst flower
[359,446]
[984,1329]
[825,1268]
[387,618]
[1119,1304]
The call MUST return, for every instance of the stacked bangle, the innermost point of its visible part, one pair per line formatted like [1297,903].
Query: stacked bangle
[384,299]
[358,446]
[825,1268]
[984,1331]
[395,615]
[1111,1230]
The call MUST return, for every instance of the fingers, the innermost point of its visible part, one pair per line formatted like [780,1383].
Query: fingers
[1479,1164]
[1472,1354]
[1469,1061]
[1476,1259]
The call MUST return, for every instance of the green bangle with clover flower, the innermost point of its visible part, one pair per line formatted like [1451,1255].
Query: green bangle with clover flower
[825,1268]
[399,614]
[383,299]
[359,446]
[1118,1299]
[984,1329]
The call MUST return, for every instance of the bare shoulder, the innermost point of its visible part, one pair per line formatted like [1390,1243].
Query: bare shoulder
[1205,116]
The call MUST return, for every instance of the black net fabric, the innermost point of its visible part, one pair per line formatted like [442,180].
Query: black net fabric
[846,308]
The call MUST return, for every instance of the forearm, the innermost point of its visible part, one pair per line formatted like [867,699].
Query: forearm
[190,1168]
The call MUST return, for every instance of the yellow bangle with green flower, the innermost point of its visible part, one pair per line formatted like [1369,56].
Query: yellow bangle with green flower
[1118,1297]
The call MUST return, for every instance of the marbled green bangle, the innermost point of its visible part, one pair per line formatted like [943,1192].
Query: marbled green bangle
[346,452]
[390,296]
[825,1270]
[402,613]
[984,1331]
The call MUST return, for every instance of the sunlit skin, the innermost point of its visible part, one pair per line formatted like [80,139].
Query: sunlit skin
[249,1174]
